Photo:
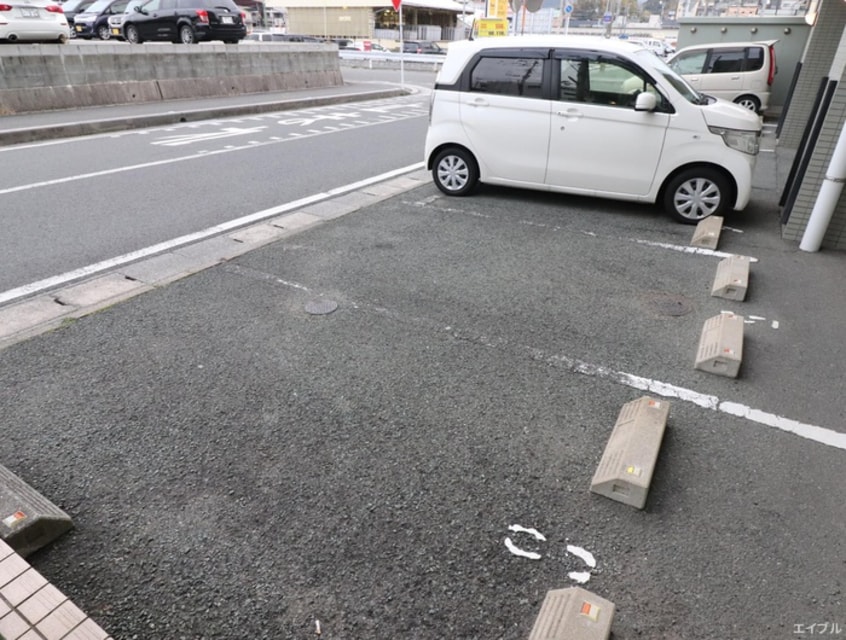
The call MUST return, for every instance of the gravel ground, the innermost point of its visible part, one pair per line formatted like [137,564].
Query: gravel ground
[239,468]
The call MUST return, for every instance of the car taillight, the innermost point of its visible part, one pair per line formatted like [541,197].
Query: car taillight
[243,17]
[53,8]
[203,15]
[5,7]
[772,73]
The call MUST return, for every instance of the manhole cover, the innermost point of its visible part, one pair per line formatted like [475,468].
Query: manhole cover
[669,304]
[320,307]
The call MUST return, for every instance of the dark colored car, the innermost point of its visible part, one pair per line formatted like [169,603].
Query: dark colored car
[422,46]
[93,22]
[185,21]
[71,7]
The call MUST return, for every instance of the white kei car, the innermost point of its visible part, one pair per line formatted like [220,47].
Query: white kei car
[33,21]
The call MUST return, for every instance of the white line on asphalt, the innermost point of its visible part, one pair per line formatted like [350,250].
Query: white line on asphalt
[145,165]
[48,283]
[688,249]
[810,432]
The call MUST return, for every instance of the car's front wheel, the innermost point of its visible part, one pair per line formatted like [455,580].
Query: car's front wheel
[131,34]
[749,102]
[455,171]
[103,32]
[695,194]
[186,34]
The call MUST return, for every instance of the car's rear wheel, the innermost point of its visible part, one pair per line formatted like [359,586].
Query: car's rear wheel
[695,194]
[455,171]
[63,39]
[132,35]
[186,34]
[749,102]
[103,32]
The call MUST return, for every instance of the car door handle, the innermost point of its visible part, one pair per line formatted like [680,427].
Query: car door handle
[571,114]
[478,102]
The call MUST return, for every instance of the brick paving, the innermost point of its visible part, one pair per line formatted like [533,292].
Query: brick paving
[33,609]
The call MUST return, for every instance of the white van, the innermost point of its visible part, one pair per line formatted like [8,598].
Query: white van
[742,72]
[590,116]
[659,47]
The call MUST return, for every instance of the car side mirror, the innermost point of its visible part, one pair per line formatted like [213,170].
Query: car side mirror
[645,102]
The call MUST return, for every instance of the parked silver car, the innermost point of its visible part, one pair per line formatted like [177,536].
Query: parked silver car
[33,21]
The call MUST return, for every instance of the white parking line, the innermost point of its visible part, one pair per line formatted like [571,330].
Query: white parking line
[821,435]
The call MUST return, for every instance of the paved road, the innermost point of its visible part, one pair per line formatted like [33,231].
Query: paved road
[83,200]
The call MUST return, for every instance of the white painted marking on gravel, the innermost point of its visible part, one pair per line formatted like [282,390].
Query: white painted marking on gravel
[687,249]
[579,576]
[584,554]
[517,551]
[815,433]
[516,528]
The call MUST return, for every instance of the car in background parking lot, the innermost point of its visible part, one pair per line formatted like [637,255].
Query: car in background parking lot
[265,37]
[184,21]
[368,45]
[93,22]
[742,72]
[115,21]
[32,21]
[71,7]
[422,46]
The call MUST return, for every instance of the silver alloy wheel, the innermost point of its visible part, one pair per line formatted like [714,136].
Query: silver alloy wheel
[132,34]
[186,35]
[748,102]
[103,32]
[453,172]
[697,198]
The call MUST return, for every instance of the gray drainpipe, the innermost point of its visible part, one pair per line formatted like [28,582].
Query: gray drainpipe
[827,198]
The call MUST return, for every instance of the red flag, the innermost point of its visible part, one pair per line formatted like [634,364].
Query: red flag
[396,4]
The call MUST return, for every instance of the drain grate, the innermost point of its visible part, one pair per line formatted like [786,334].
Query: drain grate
[669,304]
[320,307]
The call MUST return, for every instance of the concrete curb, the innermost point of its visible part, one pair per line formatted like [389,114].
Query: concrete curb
[48,311]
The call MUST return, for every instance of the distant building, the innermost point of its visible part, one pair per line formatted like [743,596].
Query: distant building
[422,19]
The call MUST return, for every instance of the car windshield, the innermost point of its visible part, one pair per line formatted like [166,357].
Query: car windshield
[74,5]
[99,6]
[648,58]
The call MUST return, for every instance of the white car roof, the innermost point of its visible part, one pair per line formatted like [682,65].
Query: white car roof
[459,52]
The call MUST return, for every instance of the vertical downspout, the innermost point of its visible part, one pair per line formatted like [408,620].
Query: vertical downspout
[827,198]
[832,186]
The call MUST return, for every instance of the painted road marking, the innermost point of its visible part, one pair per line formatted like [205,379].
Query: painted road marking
[191,138]
[105,265]
[821,435]
[583,554]
[157,163]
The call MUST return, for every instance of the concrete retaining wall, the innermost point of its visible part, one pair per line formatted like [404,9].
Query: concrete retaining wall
[46,77]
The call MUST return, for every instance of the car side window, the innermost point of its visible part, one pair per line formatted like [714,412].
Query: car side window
[152,5]
[692,62]
[613,84]
[754,59]
[508,76]
[725,61]
[573,80]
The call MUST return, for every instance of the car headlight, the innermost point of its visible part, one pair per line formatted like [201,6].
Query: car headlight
[745,141]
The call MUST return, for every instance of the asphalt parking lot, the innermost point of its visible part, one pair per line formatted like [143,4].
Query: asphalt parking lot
[239,466]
